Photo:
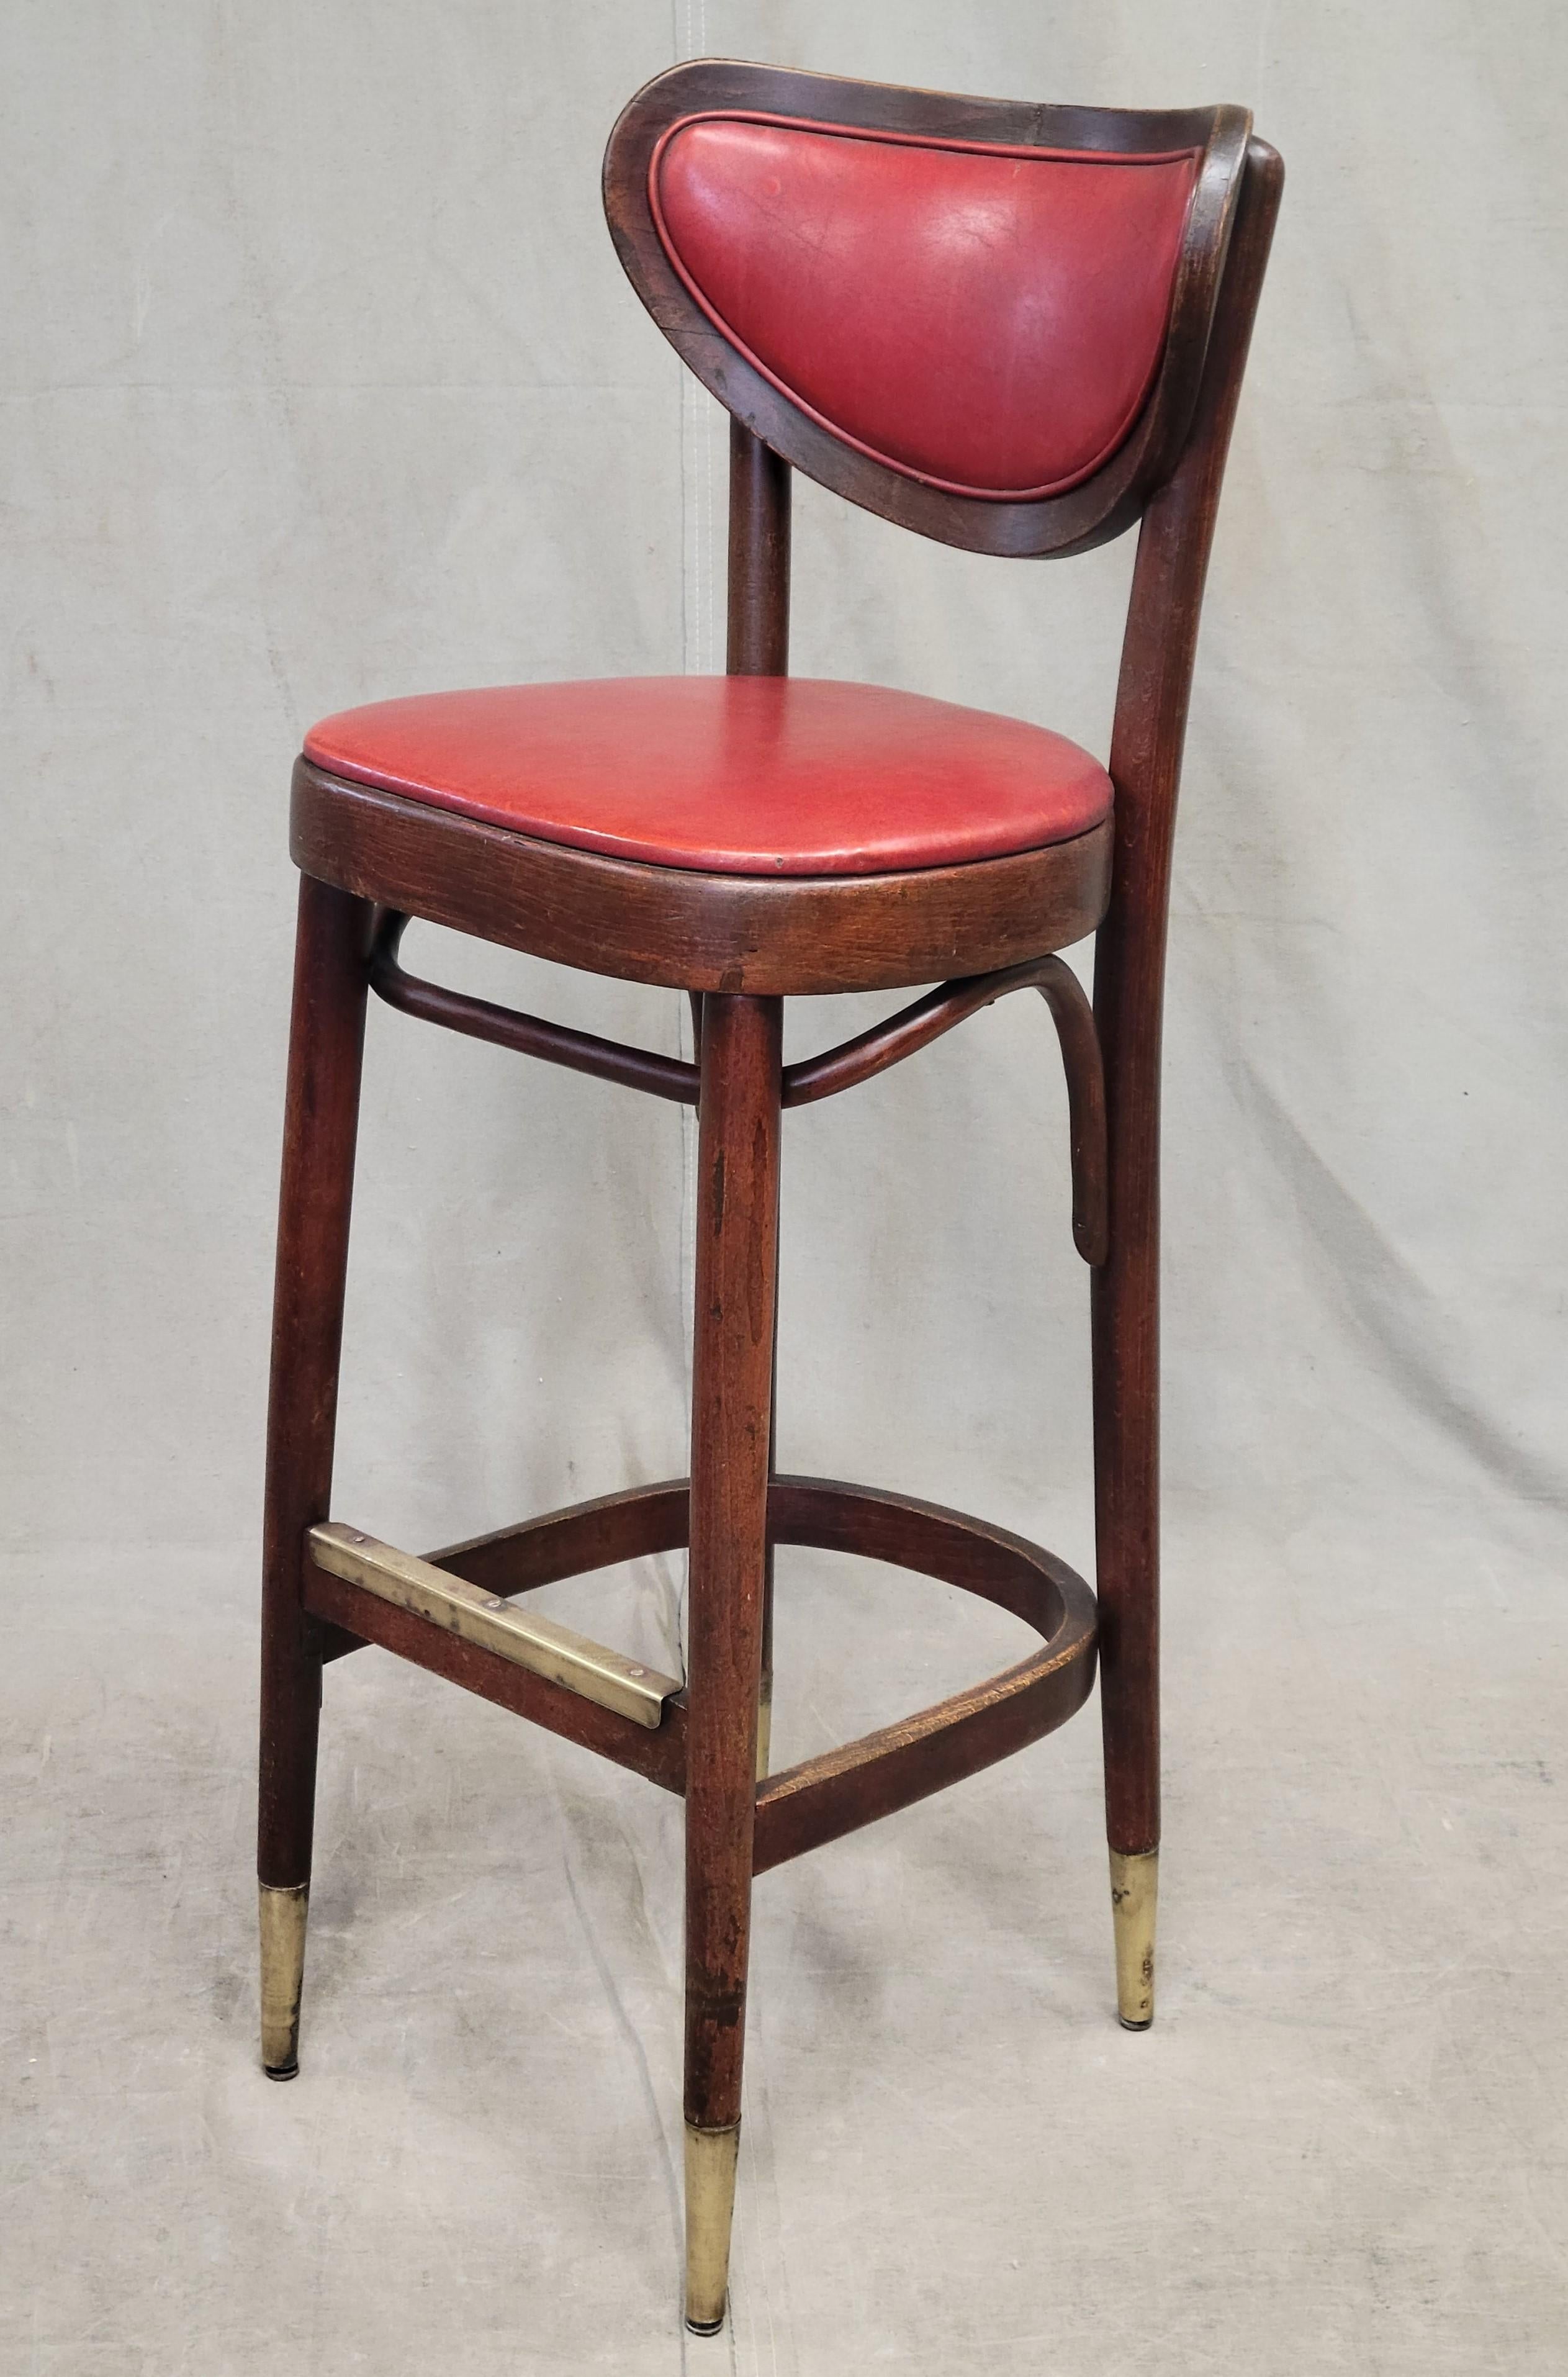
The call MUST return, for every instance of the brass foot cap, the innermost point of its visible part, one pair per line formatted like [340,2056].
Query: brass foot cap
[710,2206]
[1135,1894]
[284,1915]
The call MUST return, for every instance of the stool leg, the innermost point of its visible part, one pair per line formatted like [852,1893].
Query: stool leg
[1125,1306]
[765,1690]
[321,1114]
[737,1190]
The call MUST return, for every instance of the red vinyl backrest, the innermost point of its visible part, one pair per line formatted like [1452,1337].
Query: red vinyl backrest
[988,320]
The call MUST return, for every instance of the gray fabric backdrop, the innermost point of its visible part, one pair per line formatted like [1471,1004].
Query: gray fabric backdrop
[320,384]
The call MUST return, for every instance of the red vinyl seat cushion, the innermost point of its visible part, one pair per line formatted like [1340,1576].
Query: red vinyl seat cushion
[728,775]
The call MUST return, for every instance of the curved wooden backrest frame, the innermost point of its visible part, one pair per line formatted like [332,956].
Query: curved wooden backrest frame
[1101,504]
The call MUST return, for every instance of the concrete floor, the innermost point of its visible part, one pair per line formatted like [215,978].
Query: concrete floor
[1343,2148]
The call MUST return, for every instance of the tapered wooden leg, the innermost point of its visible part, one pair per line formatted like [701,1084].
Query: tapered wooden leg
[732,1396]
[1125,1302]
[321,1117]
[765,1689]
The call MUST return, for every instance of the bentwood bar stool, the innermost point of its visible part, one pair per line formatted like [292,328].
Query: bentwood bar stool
[1016,328]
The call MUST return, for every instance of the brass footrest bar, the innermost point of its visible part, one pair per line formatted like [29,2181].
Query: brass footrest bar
[540,1644]
[352,1617]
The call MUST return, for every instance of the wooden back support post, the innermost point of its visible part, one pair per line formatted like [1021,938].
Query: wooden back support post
[758,600]
[1150,725]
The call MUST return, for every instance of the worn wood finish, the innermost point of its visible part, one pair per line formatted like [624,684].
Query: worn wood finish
[320,1120]
[737,1193]
[1151,719]
[808,933]
[825,1797]
[1088,515]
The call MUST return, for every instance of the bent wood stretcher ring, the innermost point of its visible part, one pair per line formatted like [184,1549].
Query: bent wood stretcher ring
[463,1594]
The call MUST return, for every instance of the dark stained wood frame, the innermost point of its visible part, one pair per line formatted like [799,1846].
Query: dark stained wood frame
[738,945]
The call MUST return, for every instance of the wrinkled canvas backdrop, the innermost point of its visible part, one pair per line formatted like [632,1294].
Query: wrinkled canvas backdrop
[321,384]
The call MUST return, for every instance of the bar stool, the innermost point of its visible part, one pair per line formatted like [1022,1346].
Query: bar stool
[1019,329]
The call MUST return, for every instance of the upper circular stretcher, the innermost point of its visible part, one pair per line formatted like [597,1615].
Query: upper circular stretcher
[729,775]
